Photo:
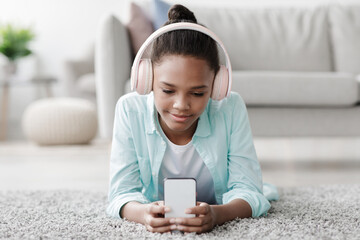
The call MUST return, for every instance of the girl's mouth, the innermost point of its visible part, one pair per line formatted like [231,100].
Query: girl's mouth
[179,118]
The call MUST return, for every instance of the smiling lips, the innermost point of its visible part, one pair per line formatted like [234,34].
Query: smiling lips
[180,118]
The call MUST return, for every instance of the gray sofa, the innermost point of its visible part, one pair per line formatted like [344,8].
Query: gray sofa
[296,68]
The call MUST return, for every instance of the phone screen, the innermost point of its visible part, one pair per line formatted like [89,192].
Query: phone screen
[179,194]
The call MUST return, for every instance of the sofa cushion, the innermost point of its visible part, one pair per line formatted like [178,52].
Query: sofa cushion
[289,39]
[139,26]
[345,32]
[306,122]
[296,89]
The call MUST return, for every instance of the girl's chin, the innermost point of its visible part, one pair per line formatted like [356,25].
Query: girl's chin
[178,127]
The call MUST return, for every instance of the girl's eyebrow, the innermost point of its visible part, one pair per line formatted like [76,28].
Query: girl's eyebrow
[196,87]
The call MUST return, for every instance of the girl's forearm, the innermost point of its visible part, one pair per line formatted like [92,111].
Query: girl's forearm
[133,211]
[227,212]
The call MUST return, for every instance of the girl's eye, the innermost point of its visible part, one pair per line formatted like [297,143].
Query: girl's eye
[198,94]
[167,91]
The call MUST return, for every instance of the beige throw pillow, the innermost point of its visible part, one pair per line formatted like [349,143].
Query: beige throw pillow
[140,27]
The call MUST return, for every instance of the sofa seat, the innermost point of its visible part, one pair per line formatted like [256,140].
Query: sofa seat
[305,121]
[315,89]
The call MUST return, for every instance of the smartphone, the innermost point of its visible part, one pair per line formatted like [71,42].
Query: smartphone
[179,194]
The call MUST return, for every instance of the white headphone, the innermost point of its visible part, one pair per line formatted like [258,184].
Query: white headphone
[142,73]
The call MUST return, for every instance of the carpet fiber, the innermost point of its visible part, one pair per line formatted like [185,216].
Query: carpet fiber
[322,212]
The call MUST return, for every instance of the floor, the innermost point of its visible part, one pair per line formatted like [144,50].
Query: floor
[285,162]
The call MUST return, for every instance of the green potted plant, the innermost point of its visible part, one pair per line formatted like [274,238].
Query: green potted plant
[14,43]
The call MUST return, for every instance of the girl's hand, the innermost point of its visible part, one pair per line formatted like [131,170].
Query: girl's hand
[154,220]
[204,221]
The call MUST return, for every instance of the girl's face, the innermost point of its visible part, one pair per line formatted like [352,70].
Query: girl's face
[182,88]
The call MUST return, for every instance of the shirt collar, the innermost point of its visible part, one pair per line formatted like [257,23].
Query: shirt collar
[151,123]
[203,128]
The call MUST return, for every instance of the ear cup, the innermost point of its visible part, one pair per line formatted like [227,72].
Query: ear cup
[221,84]
[145,77]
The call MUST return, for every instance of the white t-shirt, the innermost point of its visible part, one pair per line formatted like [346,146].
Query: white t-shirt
[182,161]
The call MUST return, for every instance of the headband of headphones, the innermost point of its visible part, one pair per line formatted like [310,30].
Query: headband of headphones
[174,27]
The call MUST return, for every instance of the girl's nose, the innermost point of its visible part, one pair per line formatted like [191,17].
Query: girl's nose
[181,103]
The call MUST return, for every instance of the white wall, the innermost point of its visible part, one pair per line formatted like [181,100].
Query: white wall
[64,28]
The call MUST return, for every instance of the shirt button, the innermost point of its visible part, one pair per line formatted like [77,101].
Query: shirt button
[163,143]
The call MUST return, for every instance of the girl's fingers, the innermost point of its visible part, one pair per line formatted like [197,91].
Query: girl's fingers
[160,229]
[201,209]
[155,209]
[156,221]
[161,203]
[197,229]
[196,221]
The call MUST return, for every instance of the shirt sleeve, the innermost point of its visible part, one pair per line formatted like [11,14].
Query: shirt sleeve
[125,182]
[244,173]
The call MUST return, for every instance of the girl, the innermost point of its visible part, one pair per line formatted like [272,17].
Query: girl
[178,131]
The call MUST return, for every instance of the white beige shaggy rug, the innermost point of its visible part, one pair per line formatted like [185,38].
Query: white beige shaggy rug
[319,212]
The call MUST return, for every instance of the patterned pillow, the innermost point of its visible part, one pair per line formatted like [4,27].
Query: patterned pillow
[140,27]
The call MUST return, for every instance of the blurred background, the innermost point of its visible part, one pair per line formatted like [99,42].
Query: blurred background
[63,65]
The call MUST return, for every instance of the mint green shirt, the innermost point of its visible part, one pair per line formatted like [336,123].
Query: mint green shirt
[223,140]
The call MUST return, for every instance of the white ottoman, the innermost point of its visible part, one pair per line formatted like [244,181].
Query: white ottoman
[58,121]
